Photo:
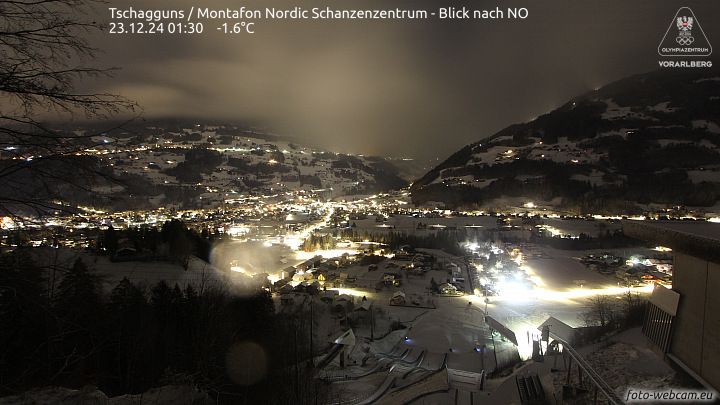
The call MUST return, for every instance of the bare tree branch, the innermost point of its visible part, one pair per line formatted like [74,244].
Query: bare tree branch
[44,52]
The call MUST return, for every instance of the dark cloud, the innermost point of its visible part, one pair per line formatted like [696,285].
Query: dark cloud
[401,88]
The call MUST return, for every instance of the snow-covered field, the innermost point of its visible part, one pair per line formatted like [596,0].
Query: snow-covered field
[409,224]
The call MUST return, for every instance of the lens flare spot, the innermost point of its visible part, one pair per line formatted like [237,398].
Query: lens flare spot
[246,363]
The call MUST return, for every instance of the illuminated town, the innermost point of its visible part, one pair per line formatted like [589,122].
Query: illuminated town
[374,204]
[395,289]
[489,279]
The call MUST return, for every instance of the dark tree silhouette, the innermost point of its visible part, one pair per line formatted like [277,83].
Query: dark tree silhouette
[23,311]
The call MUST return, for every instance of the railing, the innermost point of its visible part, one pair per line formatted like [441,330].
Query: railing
[600,384]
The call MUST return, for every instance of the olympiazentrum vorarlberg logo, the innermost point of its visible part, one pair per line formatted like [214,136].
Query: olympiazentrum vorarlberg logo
[685,38]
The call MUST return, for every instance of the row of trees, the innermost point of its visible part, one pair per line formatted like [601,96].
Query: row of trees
[318,242]
[605,313]
[605,240]
[173,241]
[581,197]
[60,327]
[448,240]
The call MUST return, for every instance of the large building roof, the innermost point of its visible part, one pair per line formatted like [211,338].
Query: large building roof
[696,238]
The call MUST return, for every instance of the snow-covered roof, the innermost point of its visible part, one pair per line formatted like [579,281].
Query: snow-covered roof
[343,338]
[365,306]
[559,329]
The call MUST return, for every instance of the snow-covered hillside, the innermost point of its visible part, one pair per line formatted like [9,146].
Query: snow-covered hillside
[651,138]
[207,166]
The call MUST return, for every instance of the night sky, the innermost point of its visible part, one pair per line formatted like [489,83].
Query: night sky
[412,88]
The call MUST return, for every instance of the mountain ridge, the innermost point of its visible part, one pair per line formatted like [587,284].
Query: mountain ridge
[186,164]
[636,141]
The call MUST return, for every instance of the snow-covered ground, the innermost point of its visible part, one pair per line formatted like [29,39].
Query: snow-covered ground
[165,395]
[616,112]
[199,273]
[698,176]
[456,333]
[409,224]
